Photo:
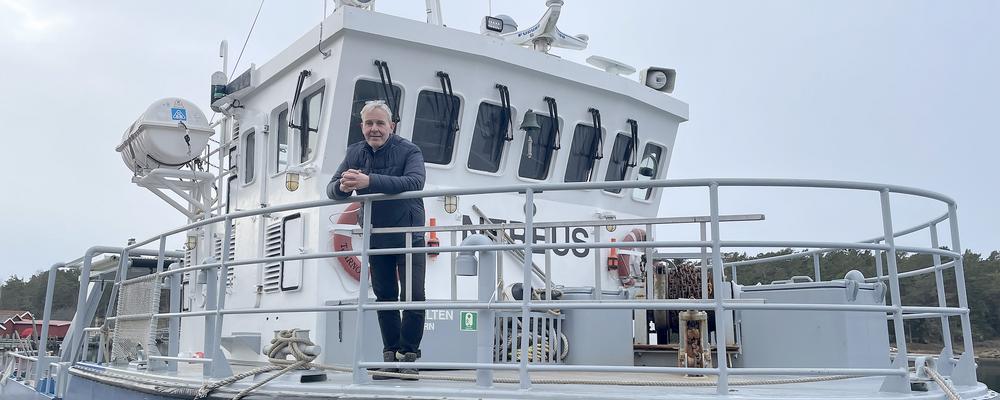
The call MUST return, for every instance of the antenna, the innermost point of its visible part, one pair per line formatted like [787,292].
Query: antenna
[434,12]
[544,35]
[366,4]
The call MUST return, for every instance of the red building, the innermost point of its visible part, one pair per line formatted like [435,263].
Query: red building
[24,325]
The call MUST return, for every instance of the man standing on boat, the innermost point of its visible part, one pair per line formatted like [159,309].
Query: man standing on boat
[386,163]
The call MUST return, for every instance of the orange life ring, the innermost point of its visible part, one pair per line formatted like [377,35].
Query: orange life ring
[342,242]
[635,235]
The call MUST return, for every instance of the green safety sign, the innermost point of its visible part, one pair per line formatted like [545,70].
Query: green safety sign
[468,320]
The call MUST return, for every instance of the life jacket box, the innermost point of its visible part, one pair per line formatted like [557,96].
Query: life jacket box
[443,341]
[815,339]
[597,337]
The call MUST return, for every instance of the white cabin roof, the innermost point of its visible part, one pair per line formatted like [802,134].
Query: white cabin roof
[354,19]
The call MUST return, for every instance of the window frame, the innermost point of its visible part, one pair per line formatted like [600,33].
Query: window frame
[290,264]
[272,145]
[229,192]
[458,132]
[597,163]
[377,81]
[504,151]
[657,175]
[555,153]
[295,156]
[628,171]
[248,157]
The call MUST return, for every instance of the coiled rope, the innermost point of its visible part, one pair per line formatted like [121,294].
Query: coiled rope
[285,341]
[945,387]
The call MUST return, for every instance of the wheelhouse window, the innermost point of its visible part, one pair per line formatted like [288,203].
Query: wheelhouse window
[435,126]
[488,138]
[649,169]
[281,142]
[312,107]
[582,154]
[618,164]
[365,91]
[249,148]
[536,155]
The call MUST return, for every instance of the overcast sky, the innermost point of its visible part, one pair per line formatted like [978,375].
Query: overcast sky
[902,92]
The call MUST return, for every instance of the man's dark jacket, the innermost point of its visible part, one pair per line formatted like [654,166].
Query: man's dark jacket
[396,167]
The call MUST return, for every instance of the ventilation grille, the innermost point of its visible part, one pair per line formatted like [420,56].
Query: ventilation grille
[188,261]
[272,248]
[217,252]
[236,130]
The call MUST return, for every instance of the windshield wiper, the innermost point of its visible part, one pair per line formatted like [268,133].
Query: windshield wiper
[508,113]
[596,115]
[635,142]
[448,95]
[295,100]
[554,114]
[387,88]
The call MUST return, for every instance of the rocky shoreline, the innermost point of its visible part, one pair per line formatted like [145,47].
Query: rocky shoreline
[988,349]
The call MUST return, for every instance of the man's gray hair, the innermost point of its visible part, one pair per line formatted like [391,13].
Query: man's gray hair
[376,105]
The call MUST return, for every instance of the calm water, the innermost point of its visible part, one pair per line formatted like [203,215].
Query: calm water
[989,372]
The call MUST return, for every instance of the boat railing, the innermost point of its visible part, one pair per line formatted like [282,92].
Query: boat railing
[896,376]
[21,366]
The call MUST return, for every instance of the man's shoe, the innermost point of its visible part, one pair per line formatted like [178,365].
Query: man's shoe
[409,357]
[387,356]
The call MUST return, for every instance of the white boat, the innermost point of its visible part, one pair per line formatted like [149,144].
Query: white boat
[526,153]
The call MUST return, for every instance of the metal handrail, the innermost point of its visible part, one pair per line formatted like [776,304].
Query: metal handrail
[216,309]
[660,183]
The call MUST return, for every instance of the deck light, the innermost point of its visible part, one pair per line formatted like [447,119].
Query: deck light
[450,204]
[292,181]
[610,227]
[493,24]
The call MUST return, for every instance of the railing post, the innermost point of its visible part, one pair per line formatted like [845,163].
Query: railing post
[220,366]
[720,312]
[703,234]
[894,383]
[550,238]
[649,264]
[816,267]
[153,320]
[174,327]
[454,261]
[211,304]
[123,264]
[946,353]
[409,267]
[43,341]
[360,375]
[78,324]
[598,265]
[965,372]
[529,240]
[879,270]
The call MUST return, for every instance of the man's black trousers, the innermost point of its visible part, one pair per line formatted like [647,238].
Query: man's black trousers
[389,283]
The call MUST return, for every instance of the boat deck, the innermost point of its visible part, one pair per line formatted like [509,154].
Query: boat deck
[447,384]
